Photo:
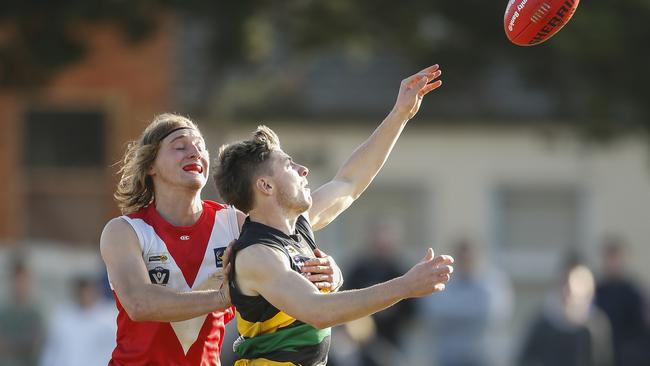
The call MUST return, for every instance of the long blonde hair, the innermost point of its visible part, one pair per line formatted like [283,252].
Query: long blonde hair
[135,188]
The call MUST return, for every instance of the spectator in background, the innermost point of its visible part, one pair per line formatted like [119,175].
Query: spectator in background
[569,331]
[470,323]
[379,335]
[623,303]
[20,323]
[82,333]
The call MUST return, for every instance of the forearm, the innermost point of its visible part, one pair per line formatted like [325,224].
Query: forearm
[156,303]
[364,163]
[330,309]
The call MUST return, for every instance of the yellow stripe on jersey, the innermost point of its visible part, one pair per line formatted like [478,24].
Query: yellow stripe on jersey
[262,362]
[250,329]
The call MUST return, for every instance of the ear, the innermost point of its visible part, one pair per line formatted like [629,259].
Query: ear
[264,185]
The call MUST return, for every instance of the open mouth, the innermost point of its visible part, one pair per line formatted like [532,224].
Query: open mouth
[193,168]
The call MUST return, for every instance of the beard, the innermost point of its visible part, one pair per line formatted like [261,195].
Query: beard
[297,203]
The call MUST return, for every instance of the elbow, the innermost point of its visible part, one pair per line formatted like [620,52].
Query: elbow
[135,308]
[320,324]
[137,313]
[319,320]
[317,323]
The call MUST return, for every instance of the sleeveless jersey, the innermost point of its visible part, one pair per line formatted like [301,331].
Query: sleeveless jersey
[182,259]
[269,336]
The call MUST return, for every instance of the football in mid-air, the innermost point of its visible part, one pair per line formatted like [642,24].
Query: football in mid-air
[531,22]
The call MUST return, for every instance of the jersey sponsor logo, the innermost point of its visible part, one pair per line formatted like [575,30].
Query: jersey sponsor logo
[159,276]
[218,256]
[185,237]
[159,258]
[292,251]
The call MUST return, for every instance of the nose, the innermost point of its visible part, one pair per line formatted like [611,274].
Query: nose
[194,151]
[302,170]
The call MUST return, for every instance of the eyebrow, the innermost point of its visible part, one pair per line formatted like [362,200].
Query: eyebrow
[186,135]
[177,137]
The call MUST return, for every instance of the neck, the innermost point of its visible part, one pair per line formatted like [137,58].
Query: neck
[179,207]
[275,217]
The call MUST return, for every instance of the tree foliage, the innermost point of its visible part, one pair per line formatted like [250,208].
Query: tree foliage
[595,69]
[38,37]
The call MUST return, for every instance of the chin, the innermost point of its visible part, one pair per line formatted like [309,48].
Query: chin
[196,183]
[304,206]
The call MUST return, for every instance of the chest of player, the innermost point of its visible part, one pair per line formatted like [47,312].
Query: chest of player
[184,264]
[298,250]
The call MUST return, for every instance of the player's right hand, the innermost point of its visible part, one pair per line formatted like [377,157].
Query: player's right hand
[429,275]
[413,89]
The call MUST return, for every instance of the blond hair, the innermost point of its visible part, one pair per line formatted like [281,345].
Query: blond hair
[239,163]
[135,188]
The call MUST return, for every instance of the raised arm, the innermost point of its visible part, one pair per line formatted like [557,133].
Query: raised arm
[365,162]
[142,300]
[292,293]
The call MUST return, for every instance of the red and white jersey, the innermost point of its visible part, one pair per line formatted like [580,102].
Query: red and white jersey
[182,259]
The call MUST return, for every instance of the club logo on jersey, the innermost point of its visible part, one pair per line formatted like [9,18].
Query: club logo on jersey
[185,237]
[159,276]
[218,256]
[300,260]
[159,258]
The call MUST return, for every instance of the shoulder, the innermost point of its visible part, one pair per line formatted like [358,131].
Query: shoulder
[251,258]
[117,232]
[248,240]
[252,234]
[117,226]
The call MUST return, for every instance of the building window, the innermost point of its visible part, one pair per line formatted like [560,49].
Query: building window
[64,138]
[65,185]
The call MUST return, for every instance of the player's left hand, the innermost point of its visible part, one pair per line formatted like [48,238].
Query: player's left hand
[323,271]
[414,88]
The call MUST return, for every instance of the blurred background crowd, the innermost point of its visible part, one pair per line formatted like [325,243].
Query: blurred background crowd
[530,165]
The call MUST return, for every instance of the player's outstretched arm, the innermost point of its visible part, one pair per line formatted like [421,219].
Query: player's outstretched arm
[292,293]
[365,162]
[142,300]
